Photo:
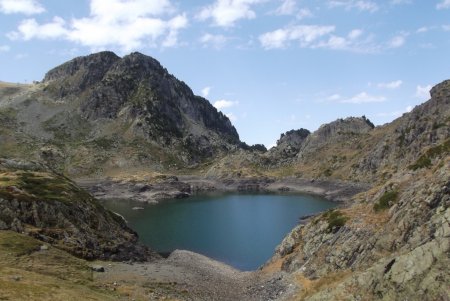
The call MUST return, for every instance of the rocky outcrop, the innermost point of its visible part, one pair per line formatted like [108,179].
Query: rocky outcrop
[48,206]
[79,74]
[398,254]
[406,139]
[393,242]
[289,144]
[336,131]
[150,191]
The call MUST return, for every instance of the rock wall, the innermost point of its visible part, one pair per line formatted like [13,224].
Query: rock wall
[48,206]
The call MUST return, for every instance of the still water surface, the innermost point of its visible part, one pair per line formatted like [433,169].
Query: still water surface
[241,230]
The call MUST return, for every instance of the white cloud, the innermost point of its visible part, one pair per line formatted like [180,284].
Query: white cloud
[354,34]
[397,41]
[444,4]
[390,85]
[398,2]
[335,42]
[363,97]
[27,7]
[288,7]
[304,13]
[126,24]
[121,10]
[423,92]
[422,29]
[427,46]
[396,113]
[205,91]
[226,13]
[304,34]
[362,5]
[216,41]
[30,29]
[446,27]
[334,97]
[4,48]
[223,104]
[231,116]
[354,41]
[318,36]
[21,56]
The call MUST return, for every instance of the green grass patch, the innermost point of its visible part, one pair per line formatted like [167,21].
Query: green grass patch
[104,143]
[17,245]
[386,200]
[335,219]
[29,186]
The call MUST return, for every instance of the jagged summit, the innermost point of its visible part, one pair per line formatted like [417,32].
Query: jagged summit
[140,88]
[79,73]
[289,143]
[129,104]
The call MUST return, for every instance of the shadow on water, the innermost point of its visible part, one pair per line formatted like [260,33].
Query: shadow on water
[241,229]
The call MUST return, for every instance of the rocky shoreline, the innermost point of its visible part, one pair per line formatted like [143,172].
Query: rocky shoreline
[204,278]
[171,187]
[185,275]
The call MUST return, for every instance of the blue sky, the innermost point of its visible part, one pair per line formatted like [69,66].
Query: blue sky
[270,65]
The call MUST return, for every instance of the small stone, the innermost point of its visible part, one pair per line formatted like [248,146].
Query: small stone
[44,248]
[16,278]
[98,268]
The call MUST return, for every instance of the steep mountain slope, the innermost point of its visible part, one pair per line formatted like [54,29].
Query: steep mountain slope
[393,241]
[36,201]
[109,106]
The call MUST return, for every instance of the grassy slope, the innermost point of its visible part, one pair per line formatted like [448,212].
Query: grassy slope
[28,273]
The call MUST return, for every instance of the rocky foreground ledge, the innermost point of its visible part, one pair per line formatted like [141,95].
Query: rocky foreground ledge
[48,206]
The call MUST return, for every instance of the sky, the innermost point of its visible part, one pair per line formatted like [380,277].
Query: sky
[269,65]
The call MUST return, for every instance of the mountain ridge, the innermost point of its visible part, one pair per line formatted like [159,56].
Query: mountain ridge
[109,105]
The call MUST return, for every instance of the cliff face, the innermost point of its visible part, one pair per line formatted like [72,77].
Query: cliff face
[50,207]
[110,106]
[393,243]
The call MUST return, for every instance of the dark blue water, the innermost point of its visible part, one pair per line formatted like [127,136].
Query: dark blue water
[241,230]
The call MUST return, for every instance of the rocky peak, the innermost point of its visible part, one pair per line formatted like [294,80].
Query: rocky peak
[441,89]
[293,137]
[80,73]
[137,93]
[336,131]
[289,144]
[350,125]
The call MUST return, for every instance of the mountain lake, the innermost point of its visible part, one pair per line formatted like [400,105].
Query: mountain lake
[241,230]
